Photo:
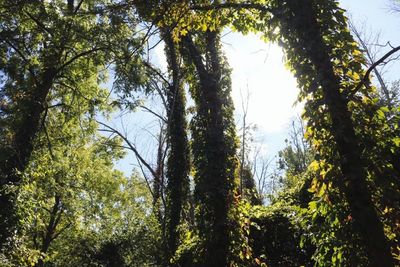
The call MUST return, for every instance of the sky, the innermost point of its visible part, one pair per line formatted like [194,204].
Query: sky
[273,90]
[258,69]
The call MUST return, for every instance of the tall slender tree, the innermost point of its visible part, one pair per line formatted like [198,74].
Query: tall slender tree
[304,34]
[214,145]
[178,165]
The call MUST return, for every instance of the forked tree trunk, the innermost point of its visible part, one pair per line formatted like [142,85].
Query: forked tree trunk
[214,149]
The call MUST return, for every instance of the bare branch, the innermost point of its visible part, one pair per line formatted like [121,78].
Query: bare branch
[161,94]
[145,176]
[365,79]
[153,69]
[370,56]
[154,113]
[131,147]
[77,7]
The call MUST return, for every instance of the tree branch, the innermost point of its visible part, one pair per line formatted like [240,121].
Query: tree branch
[159,74]
[373,66]
[71,60]
[154,113]
[39,23]
[16,49]
[256,6]
[131,146]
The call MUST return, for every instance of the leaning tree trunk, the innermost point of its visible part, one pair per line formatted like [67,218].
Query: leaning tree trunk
[17,157]
[178,156]
[214,148]
[301,19]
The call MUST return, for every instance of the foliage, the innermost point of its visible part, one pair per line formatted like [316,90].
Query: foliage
[72,195]
[338,109]
[275,236]
[64,204]
[130,238]
[214,145]
[53,53]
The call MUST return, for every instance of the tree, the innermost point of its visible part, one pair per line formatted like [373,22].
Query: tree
[64,204]
[65,184]
[328,65]
[302,30]
[76,207]
[214,145]
[178,165]
[247,183]
[295,158]
[46,49]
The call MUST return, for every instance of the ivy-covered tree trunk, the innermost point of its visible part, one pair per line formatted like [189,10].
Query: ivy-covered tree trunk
[214,147]
[301,22]
[178,157]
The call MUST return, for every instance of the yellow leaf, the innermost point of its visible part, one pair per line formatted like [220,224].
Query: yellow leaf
[314,166]
[184,32]
[356,53]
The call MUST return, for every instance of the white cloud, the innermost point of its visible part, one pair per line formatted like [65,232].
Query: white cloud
[160,59]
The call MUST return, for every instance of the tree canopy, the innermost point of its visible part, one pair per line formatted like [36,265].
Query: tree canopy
[68,66]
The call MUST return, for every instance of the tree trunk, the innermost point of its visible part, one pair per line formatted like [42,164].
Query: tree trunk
[18,156]
[48,235]
[366,221]
[178,156]
[214,149]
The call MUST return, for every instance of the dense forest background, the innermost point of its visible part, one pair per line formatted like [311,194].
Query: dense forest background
[77,188]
